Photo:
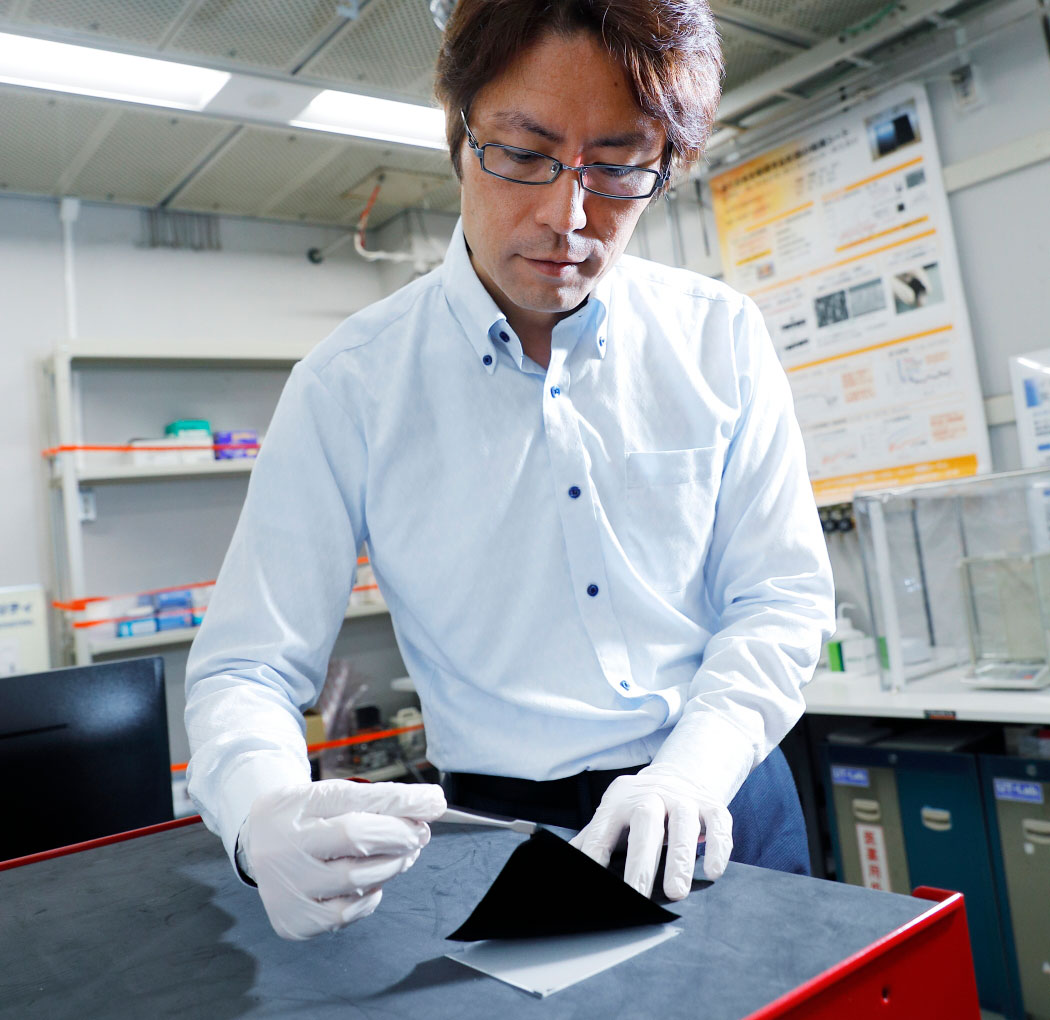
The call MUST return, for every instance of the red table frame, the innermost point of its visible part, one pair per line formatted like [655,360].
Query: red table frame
[924,969]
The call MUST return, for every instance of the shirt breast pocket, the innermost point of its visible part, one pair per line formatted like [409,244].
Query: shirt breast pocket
[671,497]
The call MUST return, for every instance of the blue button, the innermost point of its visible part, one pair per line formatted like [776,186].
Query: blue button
[555,391]
[625,685]
[503,336]
[575,492]
[601,341]
[487,360]
[592,590]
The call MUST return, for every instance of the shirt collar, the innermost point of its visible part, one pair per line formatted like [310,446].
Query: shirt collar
[471,304]
[482,320]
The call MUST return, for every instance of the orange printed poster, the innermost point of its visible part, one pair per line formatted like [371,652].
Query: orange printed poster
[843,238]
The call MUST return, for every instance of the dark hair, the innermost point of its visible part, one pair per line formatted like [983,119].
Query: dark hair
[669,50]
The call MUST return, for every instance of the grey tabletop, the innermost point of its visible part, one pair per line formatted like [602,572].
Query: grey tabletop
[159,926]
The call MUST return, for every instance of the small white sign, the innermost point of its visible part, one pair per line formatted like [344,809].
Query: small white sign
[23,631]
[874,864]
[1030,381]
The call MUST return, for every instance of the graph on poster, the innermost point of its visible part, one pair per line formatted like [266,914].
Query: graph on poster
[843,239]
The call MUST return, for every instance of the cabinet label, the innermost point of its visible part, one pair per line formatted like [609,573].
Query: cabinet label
[1020,790]
[874,864]
[848,775]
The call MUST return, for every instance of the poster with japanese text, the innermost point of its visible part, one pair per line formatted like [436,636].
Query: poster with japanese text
[843,239]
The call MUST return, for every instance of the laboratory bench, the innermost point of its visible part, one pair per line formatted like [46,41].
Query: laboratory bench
[937,780]
[158,925]
[941,695]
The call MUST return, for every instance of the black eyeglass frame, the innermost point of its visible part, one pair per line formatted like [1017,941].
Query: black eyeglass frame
[661,177]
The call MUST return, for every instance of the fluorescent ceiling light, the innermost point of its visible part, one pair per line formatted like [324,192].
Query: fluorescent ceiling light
[61,67]
[367,117]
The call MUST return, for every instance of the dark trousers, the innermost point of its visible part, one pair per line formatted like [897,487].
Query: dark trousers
[768,828]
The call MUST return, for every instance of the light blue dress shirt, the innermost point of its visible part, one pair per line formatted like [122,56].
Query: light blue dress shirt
[577,559]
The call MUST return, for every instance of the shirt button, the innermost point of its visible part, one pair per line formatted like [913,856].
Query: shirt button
[601,341]
[592,590]
[555,391]
[487,360]
[503,336]
[574,492]
[625,685]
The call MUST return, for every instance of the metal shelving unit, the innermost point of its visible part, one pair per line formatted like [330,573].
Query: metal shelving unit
[135,473]
[185,635]
[70,473]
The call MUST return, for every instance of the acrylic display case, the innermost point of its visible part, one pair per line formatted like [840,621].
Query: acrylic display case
[958,576]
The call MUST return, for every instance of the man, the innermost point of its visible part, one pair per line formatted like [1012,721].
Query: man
[583,491]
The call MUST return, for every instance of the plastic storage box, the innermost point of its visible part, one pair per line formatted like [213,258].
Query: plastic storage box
[958,575]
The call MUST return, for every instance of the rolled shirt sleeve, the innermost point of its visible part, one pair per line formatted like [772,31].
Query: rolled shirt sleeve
[767,575]
[262,652]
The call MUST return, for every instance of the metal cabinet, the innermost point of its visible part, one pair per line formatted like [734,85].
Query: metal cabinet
[911,808]
[1017,793]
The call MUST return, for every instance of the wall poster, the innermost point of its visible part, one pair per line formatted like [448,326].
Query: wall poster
[843,239]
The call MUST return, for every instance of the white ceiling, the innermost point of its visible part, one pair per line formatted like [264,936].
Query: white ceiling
[55,145]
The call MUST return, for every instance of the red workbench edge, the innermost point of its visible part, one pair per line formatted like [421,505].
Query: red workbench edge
[948,906]
[91,844]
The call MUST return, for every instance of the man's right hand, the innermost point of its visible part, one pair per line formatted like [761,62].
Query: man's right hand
[320,852]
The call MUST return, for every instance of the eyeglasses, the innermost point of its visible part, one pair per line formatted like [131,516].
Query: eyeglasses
[524,166]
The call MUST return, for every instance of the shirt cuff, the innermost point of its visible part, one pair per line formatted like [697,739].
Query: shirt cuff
[253,774]
[716,755]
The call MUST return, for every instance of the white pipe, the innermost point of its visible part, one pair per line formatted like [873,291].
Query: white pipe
[68,211]
[382,256]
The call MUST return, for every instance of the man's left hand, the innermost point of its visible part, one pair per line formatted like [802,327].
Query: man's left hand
[643,803]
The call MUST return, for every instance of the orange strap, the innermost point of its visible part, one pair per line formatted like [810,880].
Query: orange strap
[54,451]
[78,605]
[359,738]
[174,611]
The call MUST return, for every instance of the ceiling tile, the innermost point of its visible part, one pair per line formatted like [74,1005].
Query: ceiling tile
[257,165]
[745,55]
[822,17]
[272,34]
[323,198]
[48,134]
[140,21]
[145,155]
[392,48]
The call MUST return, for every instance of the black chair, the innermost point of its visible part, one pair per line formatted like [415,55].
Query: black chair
[83,753]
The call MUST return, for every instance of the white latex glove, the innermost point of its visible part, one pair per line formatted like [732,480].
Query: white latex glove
[320,852]
[642,803]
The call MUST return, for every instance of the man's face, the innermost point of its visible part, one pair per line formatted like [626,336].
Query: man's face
[539,250]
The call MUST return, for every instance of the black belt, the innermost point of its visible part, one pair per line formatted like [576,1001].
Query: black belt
[568,802]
